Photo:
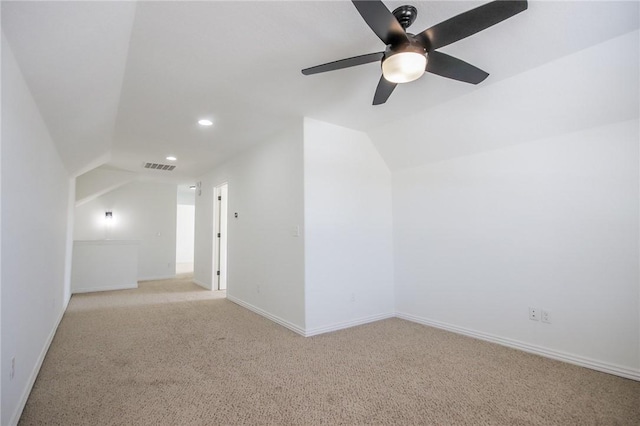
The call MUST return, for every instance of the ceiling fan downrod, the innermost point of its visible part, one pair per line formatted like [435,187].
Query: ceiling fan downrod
[406,15]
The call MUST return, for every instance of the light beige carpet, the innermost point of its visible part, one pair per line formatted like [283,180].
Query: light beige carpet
[171,353]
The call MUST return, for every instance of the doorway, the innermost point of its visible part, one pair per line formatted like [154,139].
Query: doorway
[220,203]
[185,229]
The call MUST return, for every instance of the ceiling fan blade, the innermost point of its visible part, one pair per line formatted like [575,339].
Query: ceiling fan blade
[469,23]
[344,63]
[383,91]
[381,21]
[447,66]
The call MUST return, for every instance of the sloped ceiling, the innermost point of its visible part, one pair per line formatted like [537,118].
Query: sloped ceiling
[590,88]
[73,57]
[128,81]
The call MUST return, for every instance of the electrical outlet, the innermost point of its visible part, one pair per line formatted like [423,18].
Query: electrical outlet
[12,373]
[353,297]
[258,289]
[545,316]
[534,314]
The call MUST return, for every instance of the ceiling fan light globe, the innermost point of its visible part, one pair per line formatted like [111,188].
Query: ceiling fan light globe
[404,67]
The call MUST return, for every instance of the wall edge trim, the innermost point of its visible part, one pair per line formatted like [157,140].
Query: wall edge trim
[604,367]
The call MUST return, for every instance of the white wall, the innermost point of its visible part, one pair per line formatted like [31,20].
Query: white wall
[348,229]
[104,265]
[525,193]
[35,191]
[100,181]
[71,200]
[142,211]
[551,224]
[265,261]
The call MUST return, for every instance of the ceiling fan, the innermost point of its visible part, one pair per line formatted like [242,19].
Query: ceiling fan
[408,56]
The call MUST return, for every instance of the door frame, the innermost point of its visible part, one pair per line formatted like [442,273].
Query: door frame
[220,251]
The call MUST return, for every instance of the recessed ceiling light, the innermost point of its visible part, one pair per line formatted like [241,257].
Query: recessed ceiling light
[171,158]
[205,122]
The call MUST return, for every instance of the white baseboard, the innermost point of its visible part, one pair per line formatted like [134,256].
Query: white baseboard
[106,288]
[201,284]
[314,331]
[604,367]
[34,373]
[157,278]
[346,324]
[293,327]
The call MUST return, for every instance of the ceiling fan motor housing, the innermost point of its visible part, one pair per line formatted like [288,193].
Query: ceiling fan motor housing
[405,15]
[412,46]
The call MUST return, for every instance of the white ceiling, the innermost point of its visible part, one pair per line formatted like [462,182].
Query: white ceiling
[127,81]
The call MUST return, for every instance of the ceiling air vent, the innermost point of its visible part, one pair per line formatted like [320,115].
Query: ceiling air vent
[157,166]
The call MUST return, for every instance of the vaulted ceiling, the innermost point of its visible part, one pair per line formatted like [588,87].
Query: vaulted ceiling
[124,83]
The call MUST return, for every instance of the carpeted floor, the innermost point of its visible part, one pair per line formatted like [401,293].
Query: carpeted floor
[171,353]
